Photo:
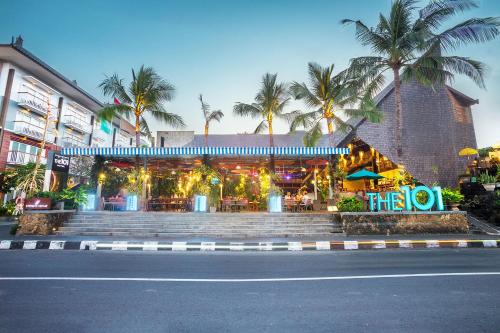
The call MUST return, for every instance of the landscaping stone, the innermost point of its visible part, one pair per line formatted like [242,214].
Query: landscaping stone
[382,223]
[42,222]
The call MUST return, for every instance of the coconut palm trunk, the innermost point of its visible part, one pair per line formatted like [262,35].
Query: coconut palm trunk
[272,161]
[399,112]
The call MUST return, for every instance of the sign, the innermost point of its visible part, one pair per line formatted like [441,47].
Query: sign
[132,202]
[38,204]
[105,126]
[200,203]
[406,199]
[60,163]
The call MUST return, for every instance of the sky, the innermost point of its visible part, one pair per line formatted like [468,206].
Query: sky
[219,48]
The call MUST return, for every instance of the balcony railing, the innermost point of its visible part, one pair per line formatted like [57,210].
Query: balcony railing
[32,130]
[68,141]
[122,141]
[76,124]
[20,158]
[35,103]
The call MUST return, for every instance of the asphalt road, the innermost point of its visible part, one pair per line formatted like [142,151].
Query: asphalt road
[355,303]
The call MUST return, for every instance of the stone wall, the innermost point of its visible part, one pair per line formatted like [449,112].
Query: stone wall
[42,222]
[404,223]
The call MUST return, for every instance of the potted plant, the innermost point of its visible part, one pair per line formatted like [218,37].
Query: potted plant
[214,198]
[274,199]
[73,198]
[43,200]
[488,181]
[452,197]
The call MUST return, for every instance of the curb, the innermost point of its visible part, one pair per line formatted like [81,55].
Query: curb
[238,246]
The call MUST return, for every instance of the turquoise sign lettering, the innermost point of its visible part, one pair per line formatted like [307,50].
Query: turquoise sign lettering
[406,199]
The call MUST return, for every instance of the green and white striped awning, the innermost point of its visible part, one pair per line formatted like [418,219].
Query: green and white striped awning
[193,151]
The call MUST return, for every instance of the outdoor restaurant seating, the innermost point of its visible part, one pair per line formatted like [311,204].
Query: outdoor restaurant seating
[114,203]
[169,204]
[234,205]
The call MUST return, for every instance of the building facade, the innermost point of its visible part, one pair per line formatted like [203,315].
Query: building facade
[437,124]
[33,96]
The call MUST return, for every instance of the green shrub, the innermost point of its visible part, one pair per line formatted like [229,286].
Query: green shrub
[13,229]
[451,196]
[73,198]
[8,208]
[350,205]
[486,178]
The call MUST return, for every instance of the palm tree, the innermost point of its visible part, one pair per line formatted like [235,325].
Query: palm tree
[145,94]
[209,116]
[409,41]
[269,103]
[330,95]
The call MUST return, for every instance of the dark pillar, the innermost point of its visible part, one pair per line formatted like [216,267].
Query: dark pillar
[58,122]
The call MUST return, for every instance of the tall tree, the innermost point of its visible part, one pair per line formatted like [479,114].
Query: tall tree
[270,103]
[331,96]
[145,94]
[209,116]
[408,42]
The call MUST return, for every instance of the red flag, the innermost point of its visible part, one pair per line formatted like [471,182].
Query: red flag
[117,102]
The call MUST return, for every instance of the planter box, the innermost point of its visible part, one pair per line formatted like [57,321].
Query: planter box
[489,187]
[382,223]
[38,204]
[42,222]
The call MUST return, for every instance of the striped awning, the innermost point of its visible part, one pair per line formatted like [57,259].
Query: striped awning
[193,151]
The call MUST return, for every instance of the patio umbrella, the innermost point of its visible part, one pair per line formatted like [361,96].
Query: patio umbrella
[467,152]
[364,174]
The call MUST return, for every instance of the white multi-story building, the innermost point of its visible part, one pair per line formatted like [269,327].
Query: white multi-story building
[36,100]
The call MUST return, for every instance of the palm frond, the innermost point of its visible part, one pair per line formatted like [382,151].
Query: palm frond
[113,86]
[215,115]
[301,92]
[369,37]
[111,110]
[144,127]
[313,135]
[305,120]
[171,119]
[433,15]
[245,110]
[471,31]
[261,127]
[341,125]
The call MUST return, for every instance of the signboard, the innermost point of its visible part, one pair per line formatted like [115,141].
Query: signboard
[407,199]
[38,204]
[60,163]
[105,126]
[132,202]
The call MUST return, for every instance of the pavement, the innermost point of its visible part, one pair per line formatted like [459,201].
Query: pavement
[444,290]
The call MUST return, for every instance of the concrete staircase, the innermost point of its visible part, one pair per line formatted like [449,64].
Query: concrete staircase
[226,225]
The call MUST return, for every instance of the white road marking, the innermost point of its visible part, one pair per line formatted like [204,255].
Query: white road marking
[56,245]
[29,245]
[320,278]
[323,245]
[405,244]
[351,245]
[379,244]
[5,245]
[294,246]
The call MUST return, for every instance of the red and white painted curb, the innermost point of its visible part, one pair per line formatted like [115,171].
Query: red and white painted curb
[242,246]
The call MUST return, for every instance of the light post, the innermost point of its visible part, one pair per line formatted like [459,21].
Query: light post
[100,180]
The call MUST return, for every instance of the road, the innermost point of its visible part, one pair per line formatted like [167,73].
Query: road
[225,292]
